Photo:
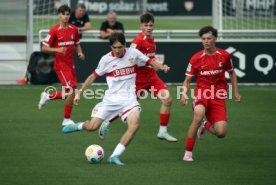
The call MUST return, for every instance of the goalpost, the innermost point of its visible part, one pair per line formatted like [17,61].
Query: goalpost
[245,18]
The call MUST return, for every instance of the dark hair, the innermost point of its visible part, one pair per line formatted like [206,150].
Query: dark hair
[207,29]
[146,17]
[64,8]
[117,37]
[81,5]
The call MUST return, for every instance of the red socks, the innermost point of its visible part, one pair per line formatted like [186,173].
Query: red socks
[208,125]
[67,111]
[55,95]
[190,142]
[164,119]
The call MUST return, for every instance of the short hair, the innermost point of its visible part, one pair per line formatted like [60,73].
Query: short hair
[111,13]
[117,37]
[64,8]
[146,17]
[80,5]
[207,29]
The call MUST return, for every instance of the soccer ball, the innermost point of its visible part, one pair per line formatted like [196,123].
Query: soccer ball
[94,153]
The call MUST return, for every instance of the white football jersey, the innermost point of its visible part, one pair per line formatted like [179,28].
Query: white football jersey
[121,74]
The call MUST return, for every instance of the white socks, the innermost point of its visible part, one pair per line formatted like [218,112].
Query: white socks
[162,129]
[118,150]
[80,125]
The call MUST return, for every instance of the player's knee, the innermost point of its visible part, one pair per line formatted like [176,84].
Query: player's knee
[167,101]
[221,134]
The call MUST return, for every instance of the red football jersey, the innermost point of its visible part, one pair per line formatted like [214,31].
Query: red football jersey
[63,37]
[210,69]
[148,47]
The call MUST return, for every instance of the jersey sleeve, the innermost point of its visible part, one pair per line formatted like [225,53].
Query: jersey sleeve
[228,64]
[49,39]
[136,43]
[141,59]
[103,27]
[191,70]
[86,18]
[101,68]
[120,26]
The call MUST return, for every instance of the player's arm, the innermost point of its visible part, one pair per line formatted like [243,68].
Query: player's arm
[234,82]
[48,49]
[185,89]
[79,52]
[90,79]
[157,66]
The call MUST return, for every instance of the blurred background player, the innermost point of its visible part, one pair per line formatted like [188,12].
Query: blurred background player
[62,40]
[119,66]
[110,25]
[80,18]
[147,78]
[209,66]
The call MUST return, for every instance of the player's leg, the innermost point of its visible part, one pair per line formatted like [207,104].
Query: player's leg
[45,97]
[132,119]
[159,89]
[89,125]
[70,80]
[217,118]
[199,113]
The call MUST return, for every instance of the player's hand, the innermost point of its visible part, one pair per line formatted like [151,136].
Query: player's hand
[238,98]
[165,68]
[81,56]
[77,98]
[184,101]
[62,50]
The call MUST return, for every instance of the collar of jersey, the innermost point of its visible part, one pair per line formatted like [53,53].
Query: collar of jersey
[112,53]
[69,26]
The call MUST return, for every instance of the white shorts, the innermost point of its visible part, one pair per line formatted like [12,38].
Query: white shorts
[107,111]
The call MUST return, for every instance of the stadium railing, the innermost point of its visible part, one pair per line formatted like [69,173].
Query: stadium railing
[178,35]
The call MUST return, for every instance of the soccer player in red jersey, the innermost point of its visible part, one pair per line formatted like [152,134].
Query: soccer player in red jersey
[62,40]
[209,66]
[147,78]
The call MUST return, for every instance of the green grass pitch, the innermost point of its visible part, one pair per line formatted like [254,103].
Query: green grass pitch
[34,151]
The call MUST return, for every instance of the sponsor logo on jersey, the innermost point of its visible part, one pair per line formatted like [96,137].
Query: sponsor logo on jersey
[212,72]
[66,43]
[150,54]
[122,72]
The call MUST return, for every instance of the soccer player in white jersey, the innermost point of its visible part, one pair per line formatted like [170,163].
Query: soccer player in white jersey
[120,99]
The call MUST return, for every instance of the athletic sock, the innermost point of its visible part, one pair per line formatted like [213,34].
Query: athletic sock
[190,142]
[207,125]
[55,95]
[164,119]
[118,150]
[162,129]
[80,125]
[67,111]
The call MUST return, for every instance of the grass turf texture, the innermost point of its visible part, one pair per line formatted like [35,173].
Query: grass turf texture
[34,151]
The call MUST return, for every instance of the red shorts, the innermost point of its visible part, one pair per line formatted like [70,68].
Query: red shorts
[153,86]
[67,78]
[215,109]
